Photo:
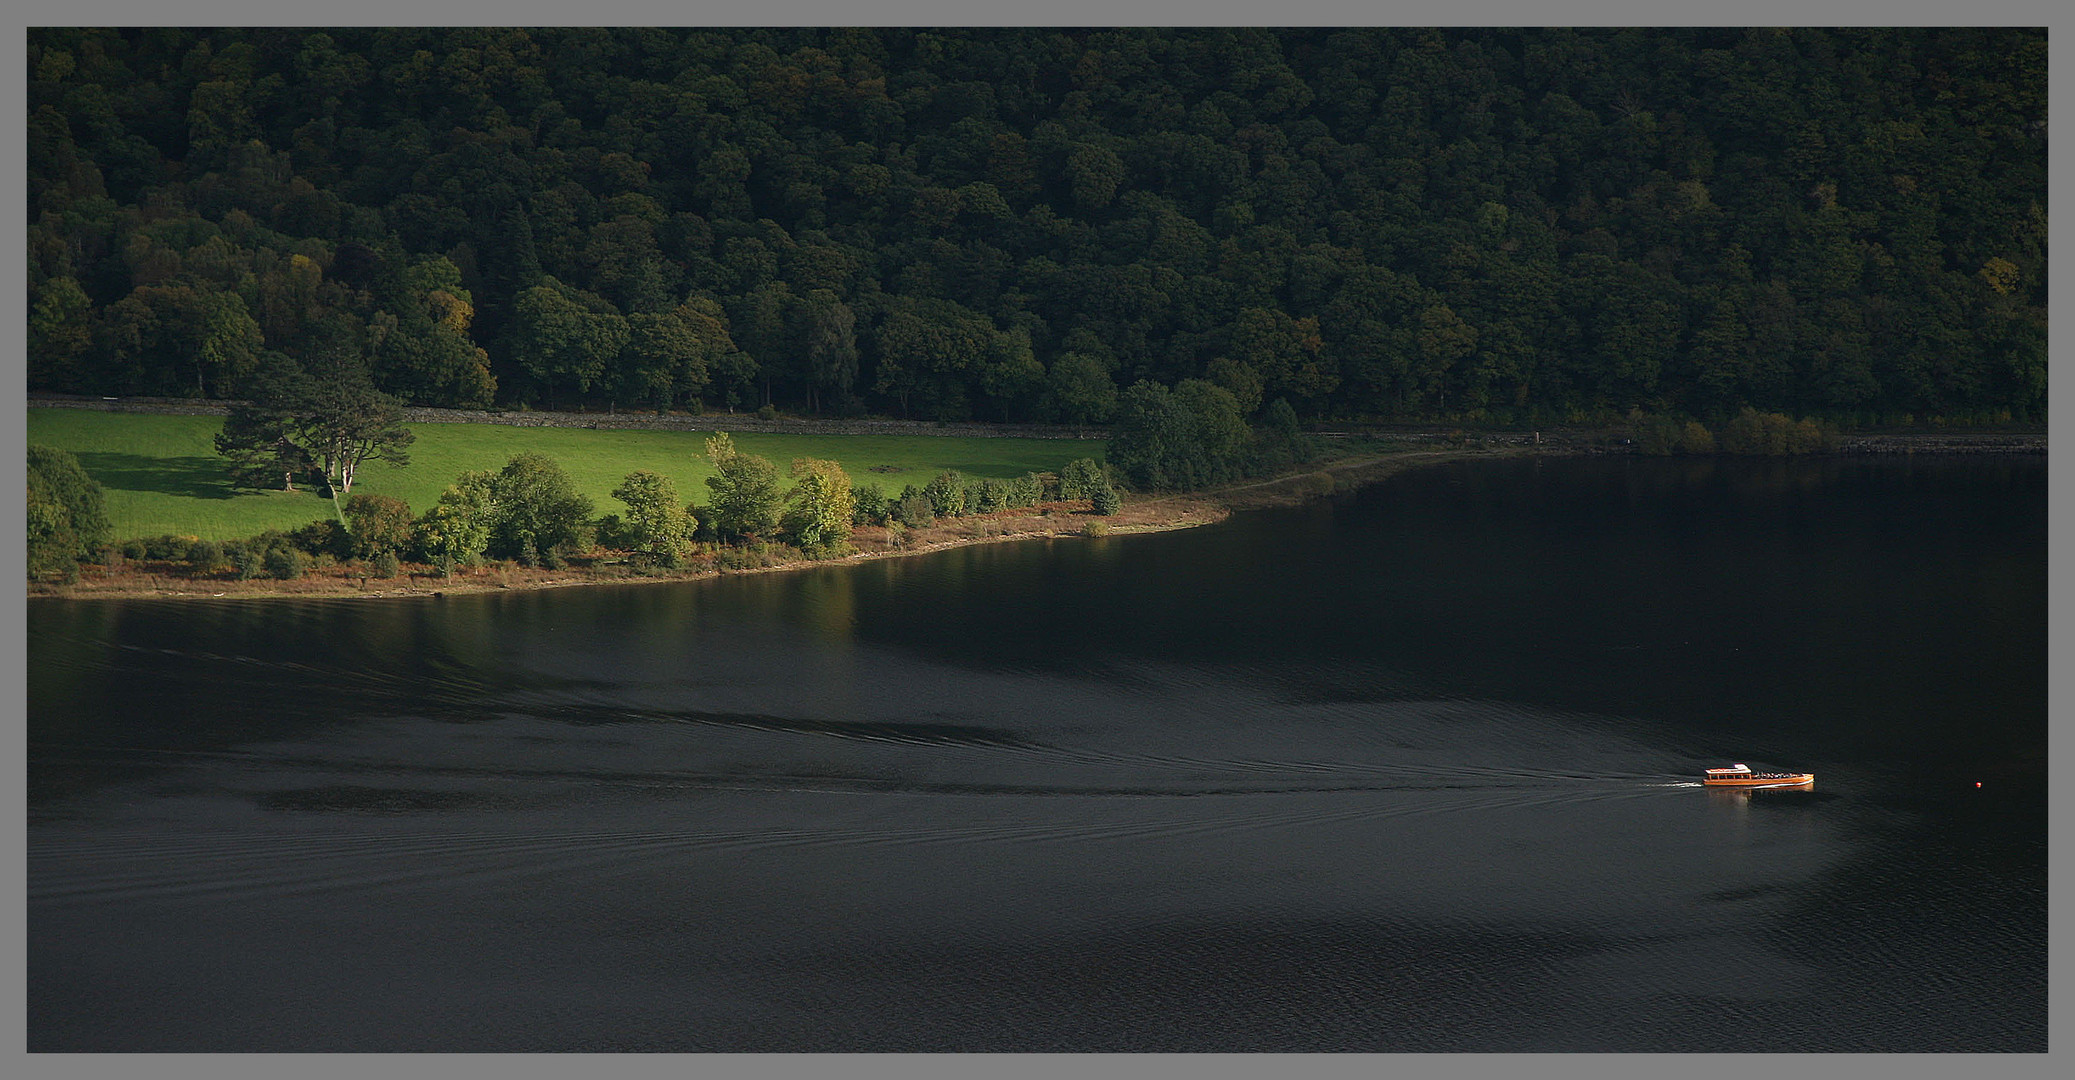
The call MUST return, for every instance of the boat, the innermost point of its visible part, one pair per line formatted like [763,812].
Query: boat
[1741,776]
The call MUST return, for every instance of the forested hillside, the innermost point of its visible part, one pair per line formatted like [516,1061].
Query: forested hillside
[1021,224]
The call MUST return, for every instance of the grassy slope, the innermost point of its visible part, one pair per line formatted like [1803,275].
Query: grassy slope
[162,475]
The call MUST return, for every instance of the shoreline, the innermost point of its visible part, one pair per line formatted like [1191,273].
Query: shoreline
[1138,515]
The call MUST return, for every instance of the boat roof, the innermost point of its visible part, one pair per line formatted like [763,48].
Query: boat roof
[1733,768]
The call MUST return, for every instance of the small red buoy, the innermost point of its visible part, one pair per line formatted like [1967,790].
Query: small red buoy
[1977,783]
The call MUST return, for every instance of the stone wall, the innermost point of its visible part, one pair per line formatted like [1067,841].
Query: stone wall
[1927,441]
[161,406]
[613,421]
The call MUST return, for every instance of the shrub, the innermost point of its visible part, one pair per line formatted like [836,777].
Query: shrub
[132,549]
[1282,441]
[946,494]
[1318,483]
[167,547]
[768,412]
[1080,478]
[244,559]
[284,563]
[1026,490]
[324,536]
[383,565]
[1656,436]
[612,533]
[987,496]
[1096,528]
[1773,434]
[381,523]
[914,510]
[1659,436]
[272,553]
[750,557]
[1106,501]
[868,505]
[701,522]
[204,556]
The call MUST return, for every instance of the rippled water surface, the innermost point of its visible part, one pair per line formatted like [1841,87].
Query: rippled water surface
[1406,770]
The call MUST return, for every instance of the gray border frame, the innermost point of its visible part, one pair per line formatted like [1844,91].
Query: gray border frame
[13,841]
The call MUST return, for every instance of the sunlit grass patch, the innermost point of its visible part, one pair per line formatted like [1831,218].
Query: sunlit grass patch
[161,474]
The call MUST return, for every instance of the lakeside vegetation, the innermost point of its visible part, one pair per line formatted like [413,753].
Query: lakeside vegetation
[1535,226]
[525,510]
[161,474]
[525,519]
[1213,241]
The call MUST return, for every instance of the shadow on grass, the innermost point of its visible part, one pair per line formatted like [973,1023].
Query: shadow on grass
[188,477]
[996,472]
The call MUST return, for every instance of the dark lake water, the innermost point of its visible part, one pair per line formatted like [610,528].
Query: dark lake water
[1411,769]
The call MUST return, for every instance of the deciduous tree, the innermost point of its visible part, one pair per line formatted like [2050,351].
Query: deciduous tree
[746,499]
[1080,478]
[540,515]
[259,437]
[820,507]
[347,423]
[456,530]
[66,516]
[381,524]
[656,520]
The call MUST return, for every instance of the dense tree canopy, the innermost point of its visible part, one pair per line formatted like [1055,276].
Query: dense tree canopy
[1012,224]
[1182,439]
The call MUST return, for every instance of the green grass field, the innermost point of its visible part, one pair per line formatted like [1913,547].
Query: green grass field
[161,474]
